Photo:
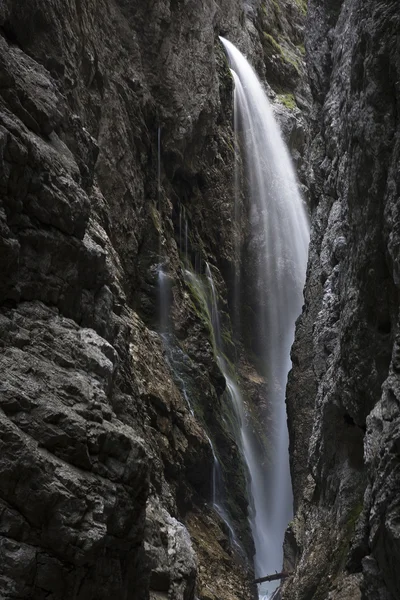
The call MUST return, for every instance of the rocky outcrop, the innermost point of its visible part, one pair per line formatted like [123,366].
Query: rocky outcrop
[342,398]
[116,156]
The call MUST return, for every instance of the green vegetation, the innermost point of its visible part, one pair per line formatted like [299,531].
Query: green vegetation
[272,46]
[353,517]
[302,4]
[348,531]
[227,341]
[156,218]
[277,8]
[273,43]
[292,61]
[287,100]
[301,49]
[199,304]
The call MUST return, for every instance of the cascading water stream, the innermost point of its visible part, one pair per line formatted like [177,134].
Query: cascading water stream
[279,242]
[247,441]
[164,300]
[219,500]
[176,358]
[209,301]
[246,438]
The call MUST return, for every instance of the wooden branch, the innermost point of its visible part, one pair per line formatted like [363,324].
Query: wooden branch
[273,577]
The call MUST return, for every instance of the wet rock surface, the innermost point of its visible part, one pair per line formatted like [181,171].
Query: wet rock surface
[115,135]
[342,394]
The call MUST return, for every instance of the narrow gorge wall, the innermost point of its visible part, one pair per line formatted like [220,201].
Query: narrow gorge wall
[343,395]
[116,127]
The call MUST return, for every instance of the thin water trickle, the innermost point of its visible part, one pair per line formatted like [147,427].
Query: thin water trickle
[210,304]
[214,309]
[180,227]
[279,238]
[246,439]
[164,299]
[186,241]
[159,165]
[175,359]
[218,500]
[159,187]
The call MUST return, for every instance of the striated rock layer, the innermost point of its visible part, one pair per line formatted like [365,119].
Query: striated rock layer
[116,157]
[343,396]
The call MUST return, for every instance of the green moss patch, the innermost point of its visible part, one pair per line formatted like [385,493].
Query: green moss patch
[302,4]
[273,44]
[301,49]
[287,100]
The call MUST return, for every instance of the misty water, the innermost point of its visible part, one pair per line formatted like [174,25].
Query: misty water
[280,236]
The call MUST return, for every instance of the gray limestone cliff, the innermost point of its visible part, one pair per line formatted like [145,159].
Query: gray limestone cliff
[116,164]
[116,129]
[343,396]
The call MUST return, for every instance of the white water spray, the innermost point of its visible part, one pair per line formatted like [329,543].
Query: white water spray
[279,241]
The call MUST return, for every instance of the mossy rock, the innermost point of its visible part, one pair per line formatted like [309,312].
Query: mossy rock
[287,57]
[271,45]
[275,6]
[156,218]
[287,100]
[302,4]
[301,49]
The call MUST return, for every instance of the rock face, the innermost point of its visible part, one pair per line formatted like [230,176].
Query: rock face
[116,153]
[343,395]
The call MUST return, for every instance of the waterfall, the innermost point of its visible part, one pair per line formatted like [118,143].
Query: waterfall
[278,243]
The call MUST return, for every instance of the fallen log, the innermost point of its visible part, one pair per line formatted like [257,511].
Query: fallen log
[273,577]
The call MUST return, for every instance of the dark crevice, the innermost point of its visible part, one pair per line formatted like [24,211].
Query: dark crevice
[385,327]
[348,420]
[8,32]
